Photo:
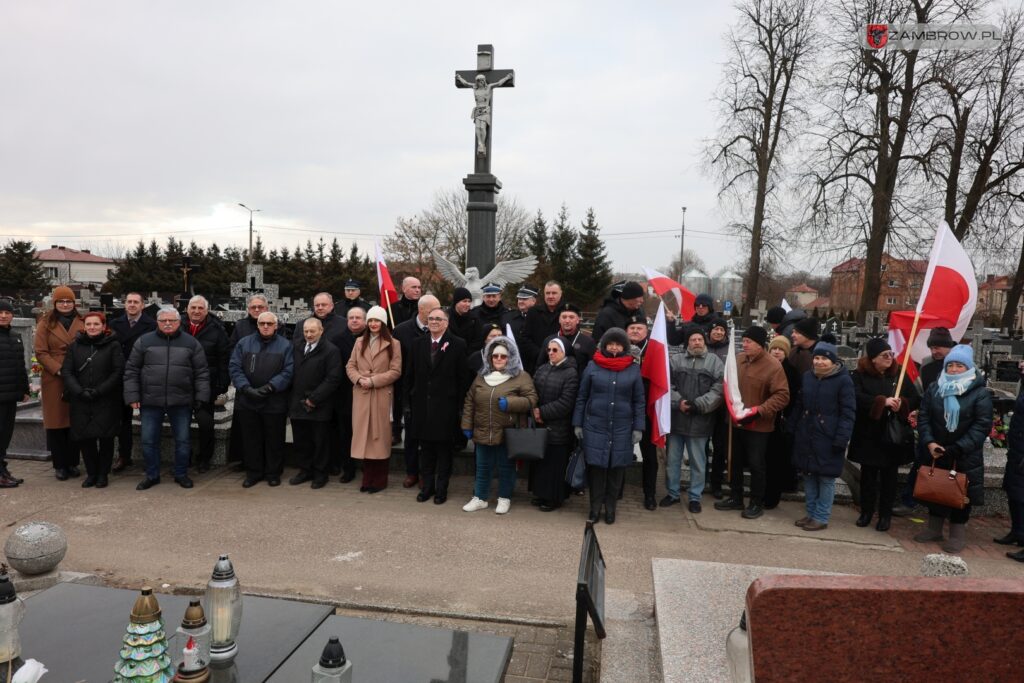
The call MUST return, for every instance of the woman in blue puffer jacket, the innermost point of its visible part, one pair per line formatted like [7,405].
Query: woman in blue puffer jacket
[824,413]
[609,419]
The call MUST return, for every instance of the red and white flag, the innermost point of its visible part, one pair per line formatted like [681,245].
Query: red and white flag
[949,297]
[663,284]
[656,371]
[386,288]
[731,382]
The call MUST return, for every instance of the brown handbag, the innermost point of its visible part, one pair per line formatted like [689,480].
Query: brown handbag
[941,487]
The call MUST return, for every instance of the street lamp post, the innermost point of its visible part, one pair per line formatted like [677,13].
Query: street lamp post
[251,212]
[682,244]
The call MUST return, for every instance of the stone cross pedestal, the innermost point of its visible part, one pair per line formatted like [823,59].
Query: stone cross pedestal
[254,285]
[482,185]
[760,312]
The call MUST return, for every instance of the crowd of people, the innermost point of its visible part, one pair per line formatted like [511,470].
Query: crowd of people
[358,378]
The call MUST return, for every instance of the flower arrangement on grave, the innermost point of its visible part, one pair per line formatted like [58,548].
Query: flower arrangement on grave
[143,657]
[35,375]
[1000,429]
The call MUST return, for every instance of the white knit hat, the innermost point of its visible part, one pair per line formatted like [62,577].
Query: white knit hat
[377,313]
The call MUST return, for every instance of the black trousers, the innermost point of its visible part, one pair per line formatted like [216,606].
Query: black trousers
[236,441]
[605,484]
[548,475]
[1017,518]
[435,466]
[955,516]
[719,450]
[63,450]
[124,437]
[779,472]
[8,411]
[649,469]
[312,446]
[411,449]
[877,483]
[748,452]
[204,421]
[340,448]
[98,455]
[263,437]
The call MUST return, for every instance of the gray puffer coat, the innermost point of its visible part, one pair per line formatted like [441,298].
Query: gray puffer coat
[698,380]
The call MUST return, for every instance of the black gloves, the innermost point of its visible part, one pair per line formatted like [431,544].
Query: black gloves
[252,392]
[954,451]
[88,394]
[265,390]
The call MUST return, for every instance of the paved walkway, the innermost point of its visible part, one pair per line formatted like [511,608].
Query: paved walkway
[401,559]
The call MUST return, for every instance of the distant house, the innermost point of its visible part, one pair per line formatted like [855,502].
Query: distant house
[992,297]
[801,296]
[900,287]
[66,266]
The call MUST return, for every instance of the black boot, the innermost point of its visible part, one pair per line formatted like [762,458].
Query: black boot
[1019,556]
[1009,539]
[864,519]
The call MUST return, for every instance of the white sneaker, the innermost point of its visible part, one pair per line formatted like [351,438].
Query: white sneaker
[502,507]
[475,504]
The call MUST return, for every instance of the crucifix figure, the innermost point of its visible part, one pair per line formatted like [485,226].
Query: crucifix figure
[483,81]
[187,269]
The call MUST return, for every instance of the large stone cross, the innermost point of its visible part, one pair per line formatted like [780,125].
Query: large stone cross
[255,285]
[483,81]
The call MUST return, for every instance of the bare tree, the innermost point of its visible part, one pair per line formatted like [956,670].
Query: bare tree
[690,260]
[769,59]
[870,171]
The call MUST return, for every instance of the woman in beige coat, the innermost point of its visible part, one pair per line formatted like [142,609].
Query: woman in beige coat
[54,333]
[373,368]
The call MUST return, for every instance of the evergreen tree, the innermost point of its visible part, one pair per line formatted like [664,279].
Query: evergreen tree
[537,238]
[561,251]
[19,268]
[590,273]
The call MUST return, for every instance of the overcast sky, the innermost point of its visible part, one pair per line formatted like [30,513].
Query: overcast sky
[128,119]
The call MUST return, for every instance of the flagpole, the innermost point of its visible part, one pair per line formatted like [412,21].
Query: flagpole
[907,357]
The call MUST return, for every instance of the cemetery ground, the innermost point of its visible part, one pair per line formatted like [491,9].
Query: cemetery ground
[388,557]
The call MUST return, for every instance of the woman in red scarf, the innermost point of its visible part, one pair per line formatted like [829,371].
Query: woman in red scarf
[609,420]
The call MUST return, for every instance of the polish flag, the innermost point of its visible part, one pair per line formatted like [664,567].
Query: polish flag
[948,299]
[731,381]
[388,293]
[663,284]
[655,369]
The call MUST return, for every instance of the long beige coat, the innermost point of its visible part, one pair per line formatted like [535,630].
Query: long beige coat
[371,408]
[51,345]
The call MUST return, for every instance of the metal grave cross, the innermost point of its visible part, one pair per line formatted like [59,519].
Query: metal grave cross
[483,81]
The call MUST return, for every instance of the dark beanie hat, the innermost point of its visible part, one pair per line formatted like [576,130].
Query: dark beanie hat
[827,350]
[775,315]
[719,322]
[5,305]
[690,330]
[632,290]
[756,333]
[940,336]
[829,338]
[876,346]
[460,294]
[637,318]
[570,308]
[807,327]
[614,334]
[704,300]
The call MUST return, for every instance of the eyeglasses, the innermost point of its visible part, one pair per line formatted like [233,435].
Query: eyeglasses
[266,324]
[554,350]
[65,301]
[887,354]
[168,321]
[499,355]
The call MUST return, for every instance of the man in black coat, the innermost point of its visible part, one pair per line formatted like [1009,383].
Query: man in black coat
[341,420]
[541,322]
[577,344]
[318,371]
[353,292]
[209,332]
[617,311]
[436,385]
[254,305]
[461,321]
[407,333]
[406,307]
[332,321]
[13,387]
[526,299]
[491,310]
[129,327]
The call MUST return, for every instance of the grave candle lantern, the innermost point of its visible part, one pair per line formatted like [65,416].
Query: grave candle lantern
[12,611]
[195,627]
[333,667]
[224,600]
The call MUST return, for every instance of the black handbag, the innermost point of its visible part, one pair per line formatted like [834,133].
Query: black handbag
[526,443]
[576,471]
[897,431]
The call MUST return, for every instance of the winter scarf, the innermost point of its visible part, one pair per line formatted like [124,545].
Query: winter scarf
[495,378]
[951,386]
[613,363]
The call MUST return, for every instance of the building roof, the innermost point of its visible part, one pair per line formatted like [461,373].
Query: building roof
[802,288]
[853,265]
[61,253]
[995,282]
[820,302]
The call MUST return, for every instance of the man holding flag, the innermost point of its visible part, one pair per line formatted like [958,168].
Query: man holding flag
[755,391]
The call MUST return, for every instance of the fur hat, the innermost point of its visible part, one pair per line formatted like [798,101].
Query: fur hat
[827,350]
[461,294]
[875,346]
[940,336]
[62,292]
[377,313]
[808,327]
[961,353]
[779,341]
[775,315]
[632,290]
[614,334]
[757,334]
